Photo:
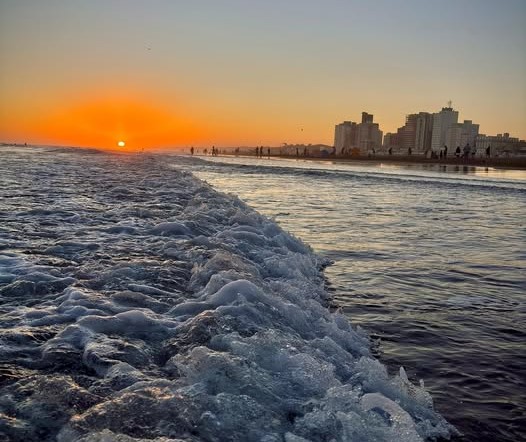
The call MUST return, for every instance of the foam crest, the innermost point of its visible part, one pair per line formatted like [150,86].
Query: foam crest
[160,309]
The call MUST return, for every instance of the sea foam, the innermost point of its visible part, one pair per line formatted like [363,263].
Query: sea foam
[138,303]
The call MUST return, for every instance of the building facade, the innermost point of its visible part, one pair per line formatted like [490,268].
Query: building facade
[364,136]
[369,134]
[442,121]
[423,132]
[414,136]
[501,145]
[462,134]
[345,136]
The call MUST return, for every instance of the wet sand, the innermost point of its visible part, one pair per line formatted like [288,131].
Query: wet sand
[502,163]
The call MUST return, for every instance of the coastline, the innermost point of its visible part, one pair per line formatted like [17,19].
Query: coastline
[497,163]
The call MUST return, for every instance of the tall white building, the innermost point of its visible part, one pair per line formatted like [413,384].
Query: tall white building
[369,135]
[364,136]
[442,121]
[344,135]
[423,132]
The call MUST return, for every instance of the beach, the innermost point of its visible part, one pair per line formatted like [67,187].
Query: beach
[495,162]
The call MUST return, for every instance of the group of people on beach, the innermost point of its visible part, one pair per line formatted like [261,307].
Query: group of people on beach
[215,152]
[464,153]
[259,151]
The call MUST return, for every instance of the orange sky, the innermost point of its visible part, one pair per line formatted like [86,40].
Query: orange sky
[105,121]
[175,74]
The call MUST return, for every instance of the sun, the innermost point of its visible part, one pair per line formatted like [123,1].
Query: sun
[121,144]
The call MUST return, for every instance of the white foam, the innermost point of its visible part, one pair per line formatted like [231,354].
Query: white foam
[170,311]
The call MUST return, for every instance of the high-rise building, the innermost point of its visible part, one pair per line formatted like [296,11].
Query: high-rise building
[345,135]
[442,121]
[369,134]
[462,134]
[423,132]
[415,134]
[367,118]
[364,136]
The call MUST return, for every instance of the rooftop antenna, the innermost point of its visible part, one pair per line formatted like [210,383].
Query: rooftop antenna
[449,103]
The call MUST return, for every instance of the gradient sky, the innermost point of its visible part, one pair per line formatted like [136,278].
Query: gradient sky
[246,72]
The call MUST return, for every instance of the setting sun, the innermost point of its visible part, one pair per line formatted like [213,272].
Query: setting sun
[121,144]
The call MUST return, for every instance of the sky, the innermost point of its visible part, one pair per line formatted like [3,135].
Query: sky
[169,73]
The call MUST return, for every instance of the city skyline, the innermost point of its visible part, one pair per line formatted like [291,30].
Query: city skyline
[429,134]
[233,73]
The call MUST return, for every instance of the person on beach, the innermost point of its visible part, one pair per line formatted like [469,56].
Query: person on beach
[297,151]
[192,150]
[268,152]
[488,151]
[457,152]
[409,151]
[390,151]
[445,151]
[466,151]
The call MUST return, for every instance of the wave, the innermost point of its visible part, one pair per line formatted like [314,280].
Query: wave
[165,310]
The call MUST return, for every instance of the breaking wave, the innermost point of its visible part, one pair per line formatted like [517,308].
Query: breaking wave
[139,303]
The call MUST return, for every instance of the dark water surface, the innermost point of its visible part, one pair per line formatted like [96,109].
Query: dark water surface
[431,261]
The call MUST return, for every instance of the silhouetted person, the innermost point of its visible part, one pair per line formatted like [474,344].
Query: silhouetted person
[488,151]
[304,151]
[191,150]
[457,152]
[297,152]
[409,151]
[268,152]
[261,151]
[467,150]
[440,154]
[390,151]
[445,151]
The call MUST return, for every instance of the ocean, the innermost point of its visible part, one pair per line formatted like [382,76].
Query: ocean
[429,260]
[139,303]
[279,301]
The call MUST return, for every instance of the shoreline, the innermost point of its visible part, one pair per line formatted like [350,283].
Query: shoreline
[497,163]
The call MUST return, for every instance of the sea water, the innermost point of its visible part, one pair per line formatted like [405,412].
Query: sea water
[430,260]
[139,303]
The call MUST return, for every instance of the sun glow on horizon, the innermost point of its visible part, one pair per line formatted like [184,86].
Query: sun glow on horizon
[111,121]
